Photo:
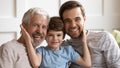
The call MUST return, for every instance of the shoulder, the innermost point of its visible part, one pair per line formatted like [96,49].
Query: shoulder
[103,39]
[65,43]
[9,48]
[8,45]
[41,49]
[97,35]
[68,48]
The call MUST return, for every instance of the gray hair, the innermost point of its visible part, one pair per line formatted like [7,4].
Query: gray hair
[31,12]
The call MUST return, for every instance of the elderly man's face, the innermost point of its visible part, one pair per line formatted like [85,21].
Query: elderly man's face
[37,28]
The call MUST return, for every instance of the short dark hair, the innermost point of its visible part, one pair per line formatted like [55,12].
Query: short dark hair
[69,5]
[56,24]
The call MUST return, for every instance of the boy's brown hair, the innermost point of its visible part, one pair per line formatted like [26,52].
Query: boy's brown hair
[56,24]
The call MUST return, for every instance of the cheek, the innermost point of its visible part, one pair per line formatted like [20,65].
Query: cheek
[81,25]
[45,32]
[61,38]
[48,40]
[66,26]
[30,31]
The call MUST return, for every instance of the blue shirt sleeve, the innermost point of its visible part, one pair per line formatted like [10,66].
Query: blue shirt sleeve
[40,50]
[73,54]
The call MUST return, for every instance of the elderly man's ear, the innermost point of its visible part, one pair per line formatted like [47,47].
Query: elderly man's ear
[24,25]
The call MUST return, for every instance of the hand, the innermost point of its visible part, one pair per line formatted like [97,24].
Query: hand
[25,34]
[83,36]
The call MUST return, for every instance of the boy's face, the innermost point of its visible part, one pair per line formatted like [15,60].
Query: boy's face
[54,39]
[74,22]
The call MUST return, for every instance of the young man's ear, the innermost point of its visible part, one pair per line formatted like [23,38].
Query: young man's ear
[84,18]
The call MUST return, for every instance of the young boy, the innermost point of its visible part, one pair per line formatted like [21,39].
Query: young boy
[54,55]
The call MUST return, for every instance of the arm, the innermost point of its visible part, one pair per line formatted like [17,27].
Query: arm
[111,51]
[6,57]
[34,57]
[86,59]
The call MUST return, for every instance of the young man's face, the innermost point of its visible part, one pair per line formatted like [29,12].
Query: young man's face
[54,39]
[37,28]
[74,22]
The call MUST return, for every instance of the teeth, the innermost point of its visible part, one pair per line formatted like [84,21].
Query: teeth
[36,36]
[73,30]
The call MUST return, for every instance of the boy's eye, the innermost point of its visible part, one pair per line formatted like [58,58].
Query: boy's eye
[59,35]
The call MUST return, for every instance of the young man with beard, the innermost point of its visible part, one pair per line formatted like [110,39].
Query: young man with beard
[13,54]
[104,50]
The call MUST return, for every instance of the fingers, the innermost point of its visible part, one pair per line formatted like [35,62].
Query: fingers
[83,36]
[22,28]
[24,32]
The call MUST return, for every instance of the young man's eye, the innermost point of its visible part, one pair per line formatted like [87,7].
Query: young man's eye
[77,19]
[67,21]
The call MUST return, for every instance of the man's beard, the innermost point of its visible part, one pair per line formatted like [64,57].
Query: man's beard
[36,43]
[77,35]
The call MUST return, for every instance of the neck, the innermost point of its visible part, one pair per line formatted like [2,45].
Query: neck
[21,40]
[57,48]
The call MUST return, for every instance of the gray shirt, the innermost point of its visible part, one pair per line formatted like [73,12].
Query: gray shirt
[13,55]
[104,50]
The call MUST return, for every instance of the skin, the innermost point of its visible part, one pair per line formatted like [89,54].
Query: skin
[33,34]
[74,27]
[36,28]
[54,39]
[74,22]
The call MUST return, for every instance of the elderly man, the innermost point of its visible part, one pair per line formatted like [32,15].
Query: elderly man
[13,53]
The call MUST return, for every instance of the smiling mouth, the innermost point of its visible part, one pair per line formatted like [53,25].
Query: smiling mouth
[73,30]
[37,38]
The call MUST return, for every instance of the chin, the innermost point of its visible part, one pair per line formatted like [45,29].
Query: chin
[35,44]
[74,36]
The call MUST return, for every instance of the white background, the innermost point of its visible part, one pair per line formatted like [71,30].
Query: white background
[101,14]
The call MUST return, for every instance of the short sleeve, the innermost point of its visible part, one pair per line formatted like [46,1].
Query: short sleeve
[111,51]
[40,50]
[73,54]
[6,57]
